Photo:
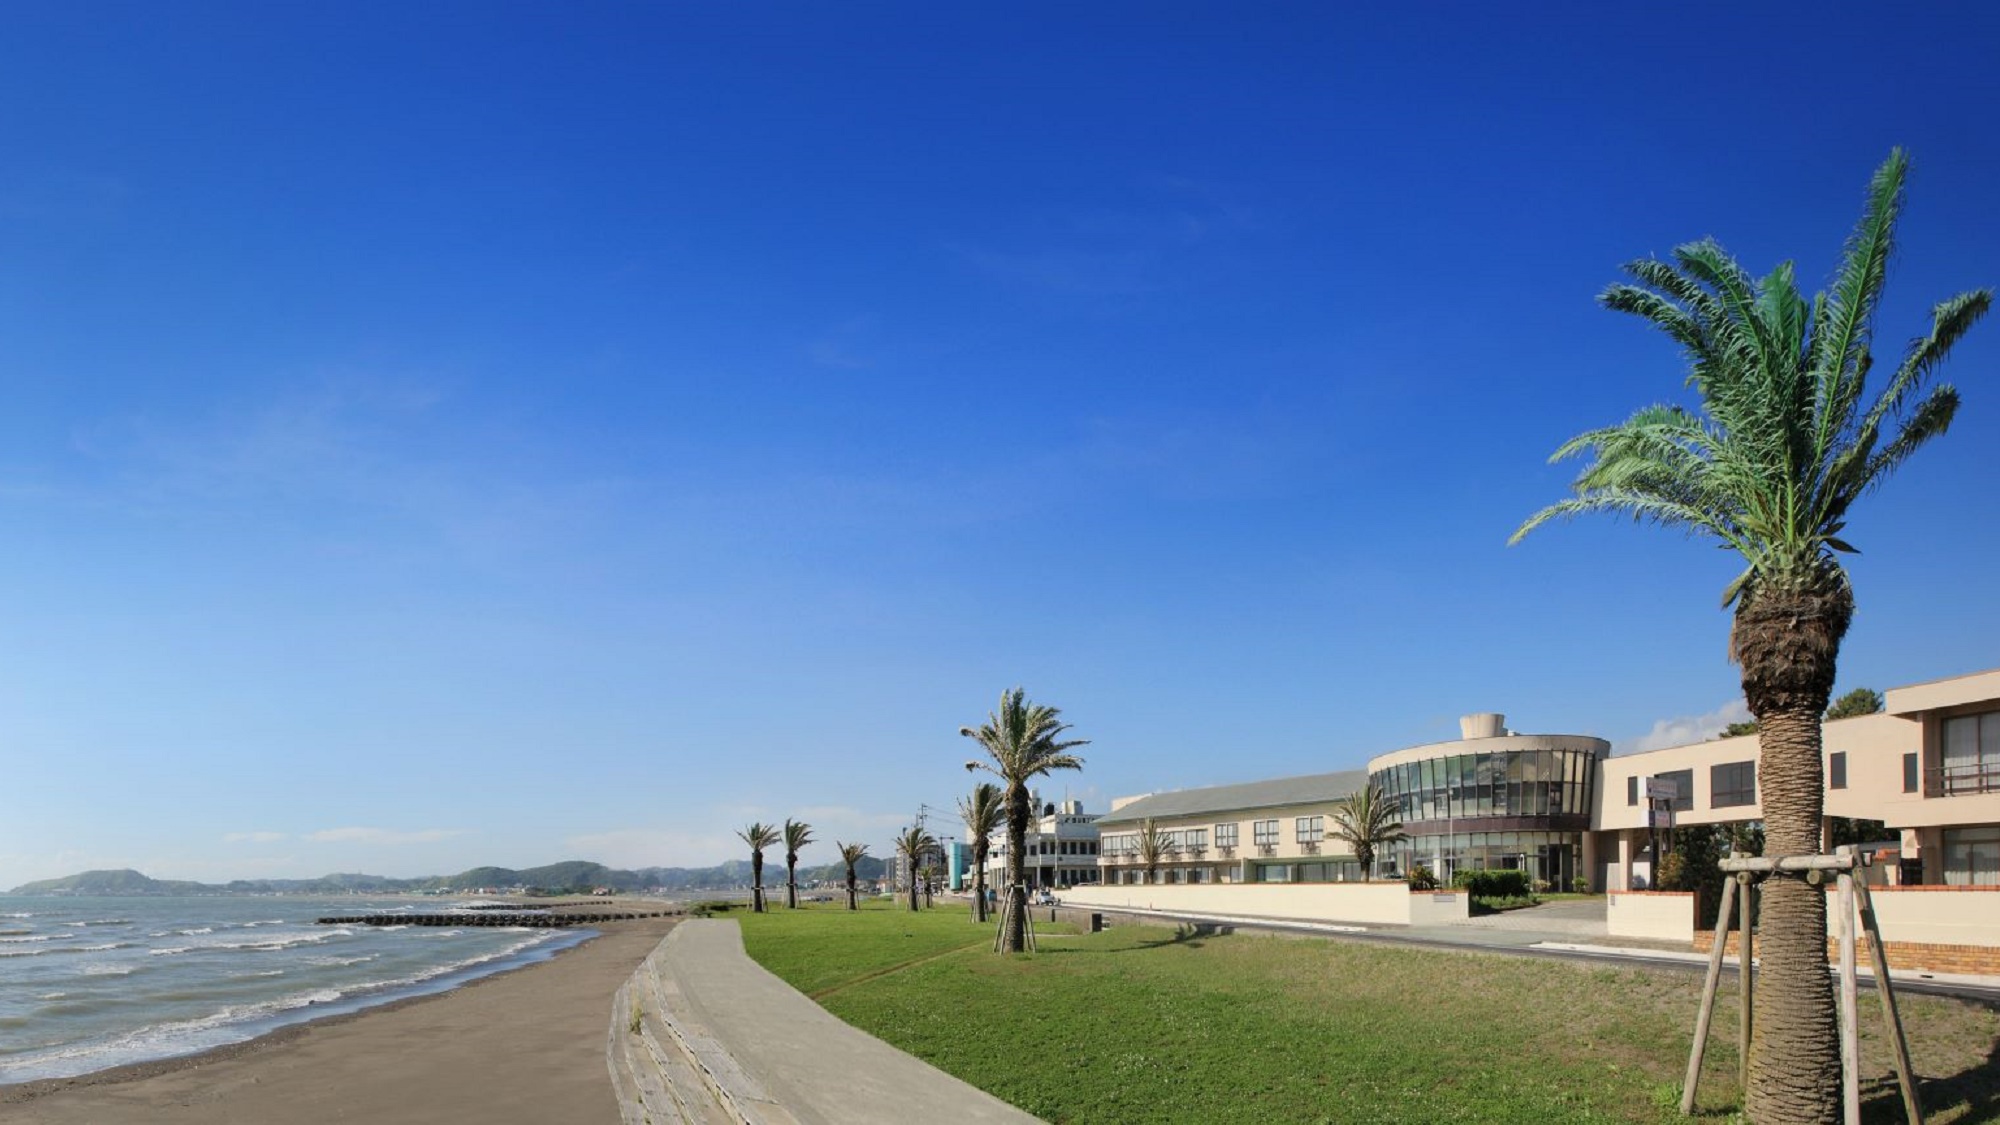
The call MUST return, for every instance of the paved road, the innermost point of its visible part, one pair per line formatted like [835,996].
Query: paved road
[1560,930]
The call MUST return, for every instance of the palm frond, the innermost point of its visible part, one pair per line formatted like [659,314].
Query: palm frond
[1781,447]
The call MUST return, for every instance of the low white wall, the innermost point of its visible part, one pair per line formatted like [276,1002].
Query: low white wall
[1389,903]
[1439,908]
[1653,915]
[1937,915]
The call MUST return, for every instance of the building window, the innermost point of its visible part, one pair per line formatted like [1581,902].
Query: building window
[1310,829]
[1225,835]
[1971,754]
[1836,770]
[1732,784]
[1632,790]
[1195,839]
[1909,773]
[1972,856]
[1683,789]
[1265,832]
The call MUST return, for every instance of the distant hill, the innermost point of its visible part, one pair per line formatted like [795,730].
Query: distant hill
[569,876]
[125,882]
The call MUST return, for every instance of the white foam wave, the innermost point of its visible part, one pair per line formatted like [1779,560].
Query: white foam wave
[25,940]
[196,932]
[108,970]
[52,995]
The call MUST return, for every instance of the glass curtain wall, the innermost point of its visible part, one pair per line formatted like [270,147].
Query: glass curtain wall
[1434,793]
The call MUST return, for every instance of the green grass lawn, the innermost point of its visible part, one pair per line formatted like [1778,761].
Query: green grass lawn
[1145,1024]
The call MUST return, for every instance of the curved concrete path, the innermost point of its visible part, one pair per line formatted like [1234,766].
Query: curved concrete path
[769,1054]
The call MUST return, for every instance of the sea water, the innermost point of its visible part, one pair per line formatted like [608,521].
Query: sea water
[88,983]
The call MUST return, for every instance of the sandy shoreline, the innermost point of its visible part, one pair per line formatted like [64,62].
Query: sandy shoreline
[525,1045]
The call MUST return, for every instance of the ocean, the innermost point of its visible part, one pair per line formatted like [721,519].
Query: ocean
[88,983]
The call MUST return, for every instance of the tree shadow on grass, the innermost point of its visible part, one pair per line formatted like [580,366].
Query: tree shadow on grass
[1976,1089]
[1188,934]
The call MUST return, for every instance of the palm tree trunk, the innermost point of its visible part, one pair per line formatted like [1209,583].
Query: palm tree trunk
[756,883]
[850,890]
[791,882]
[1016,938]
[979,882]
[1787,646]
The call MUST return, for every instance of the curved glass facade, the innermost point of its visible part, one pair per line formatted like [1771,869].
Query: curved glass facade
[1512,809]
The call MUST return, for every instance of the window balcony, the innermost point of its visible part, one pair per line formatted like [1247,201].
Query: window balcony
[1965,780]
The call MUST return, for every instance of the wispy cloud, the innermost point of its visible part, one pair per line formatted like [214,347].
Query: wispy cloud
[381,836]
[1111,252]
[1685,729]
[252,837]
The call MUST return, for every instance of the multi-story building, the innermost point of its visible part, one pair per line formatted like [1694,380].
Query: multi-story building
[1492,798]
[1562,808]
[1061,847]
[1927,766]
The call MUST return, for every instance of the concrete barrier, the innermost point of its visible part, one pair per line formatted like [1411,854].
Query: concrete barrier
[1650,915]
[1385,903]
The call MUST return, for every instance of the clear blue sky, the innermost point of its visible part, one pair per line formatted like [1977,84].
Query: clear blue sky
[444,434]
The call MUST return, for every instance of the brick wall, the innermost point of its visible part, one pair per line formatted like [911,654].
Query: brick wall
[1974,960]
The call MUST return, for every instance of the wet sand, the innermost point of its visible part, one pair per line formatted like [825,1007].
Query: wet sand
[526,1045]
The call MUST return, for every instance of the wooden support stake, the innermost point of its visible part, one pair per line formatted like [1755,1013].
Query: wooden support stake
[1850,1031]
[1708,989]
[1891,1020]
[1746,949]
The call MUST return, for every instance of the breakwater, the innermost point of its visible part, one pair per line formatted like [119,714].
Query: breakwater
[539,919]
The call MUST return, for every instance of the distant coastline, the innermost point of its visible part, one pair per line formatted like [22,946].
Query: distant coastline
[571,877]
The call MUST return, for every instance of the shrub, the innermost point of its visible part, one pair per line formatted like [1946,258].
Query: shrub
[1422,879]
[1673,874]
[1580,885]
[1493,884]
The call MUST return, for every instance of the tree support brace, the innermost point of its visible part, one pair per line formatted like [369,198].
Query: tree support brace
[1854,899]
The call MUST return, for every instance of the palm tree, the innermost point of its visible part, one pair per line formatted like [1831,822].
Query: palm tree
[1154,845]
[759,836]
[1785,442]
[850,854]
[1366,819]
[982,811]
[913,845]
[1024,741]
[797,835]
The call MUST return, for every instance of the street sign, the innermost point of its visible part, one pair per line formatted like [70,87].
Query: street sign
[1662,789]
[1660,818]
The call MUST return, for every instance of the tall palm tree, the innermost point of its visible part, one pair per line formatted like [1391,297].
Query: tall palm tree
[914,845]
[1024,741]
[759,836]
[797,835]
[1785,441]
[1366,819]
[850,854]
[1154,845]
[982,811]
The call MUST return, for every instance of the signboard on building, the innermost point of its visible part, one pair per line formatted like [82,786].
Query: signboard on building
[1662,789]
[1659,818]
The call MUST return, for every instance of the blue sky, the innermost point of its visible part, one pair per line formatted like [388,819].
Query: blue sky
[509,433]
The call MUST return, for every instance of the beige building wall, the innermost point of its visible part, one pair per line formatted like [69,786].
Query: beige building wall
[1230,861]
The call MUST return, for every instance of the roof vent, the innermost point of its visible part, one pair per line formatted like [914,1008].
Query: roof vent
[1485,724]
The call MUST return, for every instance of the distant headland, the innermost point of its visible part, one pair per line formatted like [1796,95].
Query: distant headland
[569,877]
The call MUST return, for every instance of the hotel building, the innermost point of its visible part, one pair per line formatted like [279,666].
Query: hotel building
[1562,808]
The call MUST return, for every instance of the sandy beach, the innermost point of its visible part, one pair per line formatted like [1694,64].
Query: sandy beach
[526,1045]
